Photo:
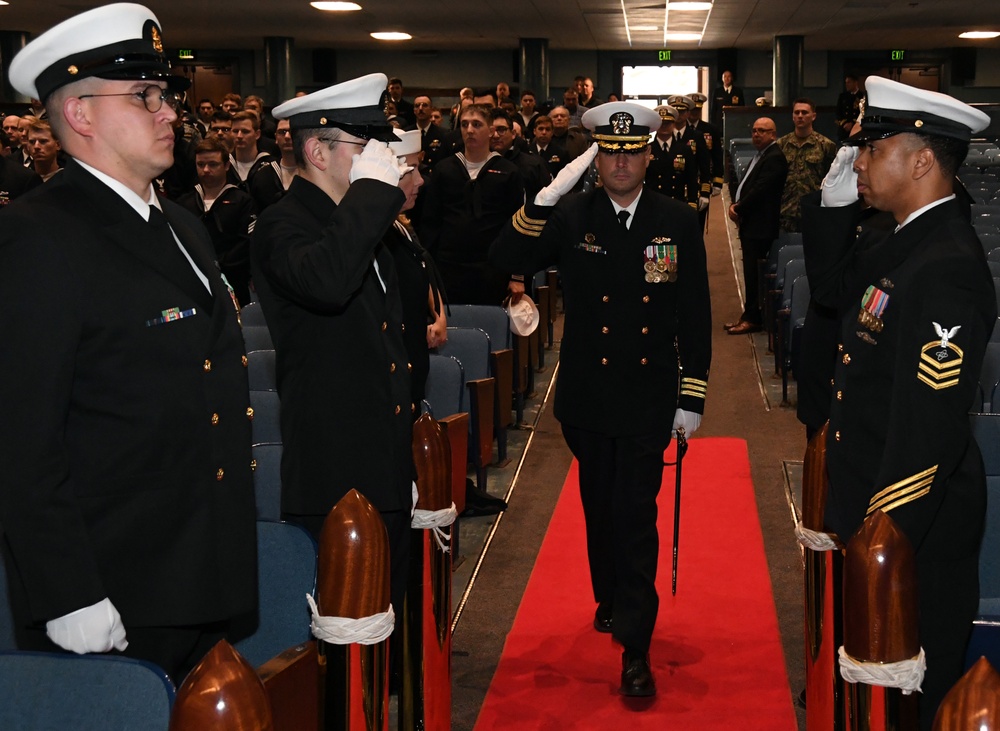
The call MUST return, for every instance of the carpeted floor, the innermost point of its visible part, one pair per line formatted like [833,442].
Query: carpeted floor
[716,651]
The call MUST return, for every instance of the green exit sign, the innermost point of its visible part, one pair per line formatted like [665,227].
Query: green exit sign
[897,55]
[664,55]
[186,53]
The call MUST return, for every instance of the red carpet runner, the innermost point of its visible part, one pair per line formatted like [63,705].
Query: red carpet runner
[716,653]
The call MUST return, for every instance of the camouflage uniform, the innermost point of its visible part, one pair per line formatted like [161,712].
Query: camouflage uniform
[808,163]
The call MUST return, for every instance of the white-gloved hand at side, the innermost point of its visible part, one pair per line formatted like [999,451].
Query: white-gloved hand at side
[840,186]
[702,203]
[97,628]
[566,179]
[689,421]
[378,162]
[415,496]
[716,190]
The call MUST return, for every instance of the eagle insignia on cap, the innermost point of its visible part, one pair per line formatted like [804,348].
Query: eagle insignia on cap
[72,70]
[621,123]
[157,40]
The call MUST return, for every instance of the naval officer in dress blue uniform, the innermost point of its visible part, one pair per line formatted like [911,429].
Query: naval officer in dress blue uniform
[635,355]
[127,502]
[916,311]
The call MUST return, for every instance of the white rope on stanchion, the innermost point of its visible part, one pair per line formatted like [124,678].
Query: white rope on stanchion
[814,540]
[906,675]
[436,520]
[347,631]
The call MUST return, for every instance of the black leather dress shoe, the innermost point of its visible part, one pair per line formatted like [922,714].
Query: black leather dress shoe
[603,621]
[637,678]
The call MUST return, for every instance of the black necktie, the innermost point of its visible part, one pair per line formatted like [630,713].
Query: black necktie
[171,260]
[623,218]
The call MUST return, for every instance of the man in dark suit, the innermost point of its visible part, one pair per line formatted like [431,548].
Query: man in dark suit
[128,502]
[635,284]
[331,298]
[916,311]
[727,95]
[15,180]
[756,211]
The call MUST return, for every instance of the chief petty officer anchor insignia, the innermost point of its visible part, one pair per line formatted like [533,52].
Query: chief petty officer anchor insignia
[940,360]
[660,261]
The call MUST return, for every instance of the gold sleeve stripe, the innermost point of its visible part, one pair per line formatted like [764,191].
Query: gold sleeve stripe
[527,226]
[693,394]
[940,375]
[688,379]
[693,389]
[903,491]
[717,180]
[903,500]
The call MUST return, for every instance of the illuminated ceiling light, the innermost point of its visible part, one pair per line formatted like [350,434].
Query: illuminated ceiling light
[336,7]
[628,33]
[674,6]
[979,34]
[4,2]
[683,36]
[645,27]
[390,35]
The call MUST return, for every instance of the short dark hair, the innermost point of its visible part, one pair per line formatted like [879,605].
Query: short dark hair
[500,113]
[480,109]
[949,152]
[805,100]
[213,144]
[206,101]
[248,116]
[528,92]
[543,119]
[221,115]
[395,80]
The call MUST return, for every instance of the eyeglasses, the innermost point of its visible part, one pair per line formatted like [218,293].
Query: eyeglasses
[152,97]
[500,130]
[282,132]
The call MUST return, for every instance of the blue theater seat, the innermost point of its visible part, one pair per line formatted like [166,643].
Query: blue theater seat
[56,692]
[985,639]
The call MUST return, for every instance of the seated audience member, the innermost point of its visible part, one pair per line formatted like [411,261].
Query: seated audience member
[246,160]
[15,180]
[227,212]
[465,204]
[44,149]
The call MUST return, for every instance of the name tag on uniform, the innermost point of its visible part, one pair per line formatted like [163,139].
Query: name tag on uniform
[171,315]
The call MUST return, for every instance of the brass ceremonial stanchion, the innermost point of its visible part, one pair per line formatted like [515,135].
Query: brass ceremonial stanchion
[973,702]
[222,693]
[880,622]
[353,582]
[425,697]
[823,571]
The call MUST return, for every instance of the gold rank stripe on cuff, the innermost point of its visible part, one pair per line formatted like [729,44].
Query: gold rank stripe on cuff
[937,374]
[527,226]
[717,181]
[693,387]
[706,187]
[902,492]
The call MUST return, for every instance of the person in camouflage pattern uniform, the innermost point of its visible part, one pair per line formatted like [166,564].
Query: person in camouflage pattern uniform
[809,155]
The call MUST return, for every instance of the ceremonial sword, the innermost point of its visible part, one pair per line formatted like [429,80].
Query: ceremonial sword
[682,448]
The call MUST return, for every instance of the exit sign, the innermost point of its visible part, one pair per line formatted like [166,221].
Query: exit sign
[664,55]
[897,55]
[185,54]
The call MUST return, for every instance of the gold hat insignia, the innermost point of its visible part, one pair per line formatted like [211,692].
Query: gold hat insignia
[157,41]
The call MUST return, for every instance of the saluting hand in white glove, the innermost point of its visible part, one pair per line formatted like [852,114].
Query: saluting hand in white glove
[378,162]
[566,179]
[840,186]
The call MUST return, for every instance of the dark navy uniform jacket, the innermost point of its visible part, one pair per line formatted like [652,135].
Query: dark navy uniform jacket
[899,436]
[619,370]
[125,428]
[342,368]
[673,172]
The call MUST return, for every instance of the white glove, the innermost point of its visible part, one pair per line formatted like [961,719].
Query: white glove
[689,421]
[97,628]
[566,179]
[716,190]
[840,186]
[702,203]
[415,495]
[378,162]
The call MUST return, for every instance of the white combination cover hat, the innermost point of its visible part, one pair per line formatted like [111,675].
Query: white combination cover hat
[523,316]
